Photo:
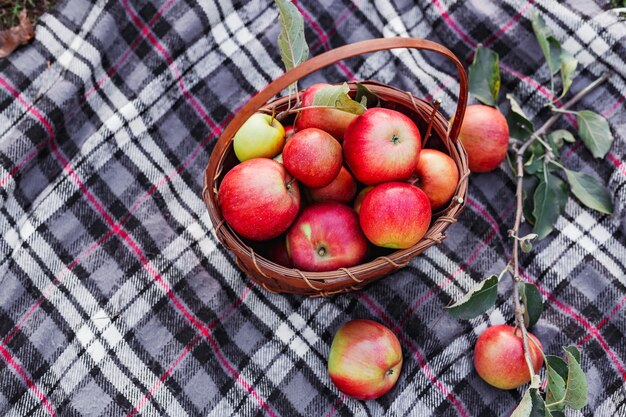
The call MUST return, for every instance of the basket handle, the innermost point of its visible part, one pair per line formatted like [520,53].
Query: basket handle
[347,51]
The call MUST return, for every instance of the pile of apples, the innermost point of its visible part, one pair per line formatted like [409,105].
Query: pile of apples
[320,193]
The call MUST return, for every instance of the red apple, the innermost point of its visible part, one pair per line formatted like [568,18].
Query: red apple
[438,176]
[313,157]
[326,236]
[360,197]
[365,359]
[259,199]
[499,357]
[342,189]
[485,136]
[381,145]
[395,215]
[332,121]
[289,132]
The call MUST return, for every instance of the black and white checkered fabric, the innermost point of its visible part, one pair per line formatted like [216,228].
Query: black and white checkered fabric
[116,298]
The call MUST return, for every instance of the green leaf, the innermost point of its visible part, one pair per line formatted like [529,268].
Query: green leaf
[568,68]
[558,365]
[534,162]
[291,41]
[574,351]
[484,76]
[590,191]
[549,45]
[480,299]
[555,389]
[533,303]
[525,407]
[532,405]
[529,186]
[595,132]
[557,138]
[576,390]
[539,406]
[337,96]
[362,92]
[549,201]
[520,126]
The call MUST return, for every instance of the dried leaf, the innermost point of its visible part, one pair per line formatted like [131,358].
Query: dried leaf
[18,35]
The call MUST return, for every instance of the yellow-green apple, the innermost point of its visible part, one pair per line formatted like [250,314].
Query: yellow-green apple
[326,236]
[261,136]
[365,359]
[333,121]
[342,189]
[437,175]
[395,215]
[313,157]
[499,357]
[359,198]
[259,199]
[381,145]
[485,136]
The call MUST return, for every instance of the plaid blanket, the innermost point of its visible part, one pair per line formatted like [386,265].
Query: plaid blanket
[115,296]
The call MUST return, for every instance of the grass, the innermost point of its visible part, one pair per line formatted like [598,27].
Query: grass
[10,10]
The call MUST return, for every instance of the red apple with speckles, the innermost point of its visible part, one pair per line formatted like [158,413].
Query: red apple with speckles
[395,215]
[485,136]
[259,199]
[437,175]
[499,357]
[342,189]
[326,236]
[381,145]
[333,121]
[313,157]
[365,359]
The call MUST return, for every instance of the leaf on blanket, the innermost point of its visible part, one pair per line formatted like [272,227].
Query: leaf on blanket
[484,76]
[476,302]
[18,35]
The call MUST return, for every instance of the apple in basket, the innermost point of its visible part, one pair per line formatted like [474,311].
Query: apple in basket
[381,145]
[360,197]
[395,215]
[259,199]
[260,136]
[313,157]
[333,121]
[365,359]
[342,189]
[499,357]
[326,236]
[437,176]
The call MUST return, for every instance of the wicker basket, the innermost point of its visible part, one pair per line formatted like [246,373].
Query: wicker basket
[276,278]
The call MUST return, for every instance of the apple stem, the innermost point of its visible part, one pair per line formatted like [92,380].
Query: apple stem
[273,114]
[514,267]
[288,185]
